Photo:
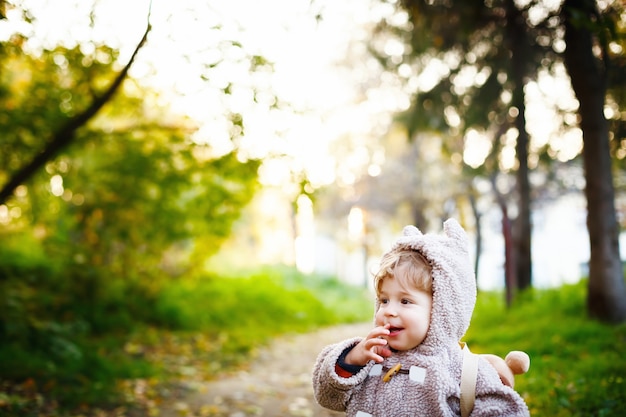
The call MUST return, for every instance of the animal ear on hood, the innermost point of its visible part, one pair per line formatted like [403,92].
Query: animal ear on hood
[455,232]
[411,231]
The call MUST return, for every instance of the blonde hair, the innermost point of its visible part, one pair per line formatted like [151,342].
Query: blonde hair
[418,270]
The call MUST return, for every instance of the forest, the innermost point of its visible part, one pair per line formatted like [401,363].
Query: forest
[168,172]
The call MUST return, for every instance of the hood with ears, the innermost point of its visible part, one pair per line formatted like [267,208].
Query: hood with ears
[454,282]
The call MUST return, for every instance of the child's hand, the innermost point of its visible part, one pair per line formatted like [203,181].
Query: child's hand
[373,347]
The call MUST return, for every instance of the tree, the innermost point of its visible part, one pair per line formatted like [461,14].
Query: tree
[518,44]
[65,133]
[487,61]
[586,28]
[129,200]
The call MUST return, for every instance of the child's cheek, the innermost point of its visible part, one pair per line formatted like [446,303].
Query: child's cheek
[379,318]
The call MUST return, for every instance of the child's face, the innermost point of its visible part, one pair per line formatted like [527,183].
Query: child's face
[406,310]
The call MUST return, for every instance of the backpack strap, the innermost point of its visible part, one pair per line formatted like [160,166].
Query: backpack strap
[469,373]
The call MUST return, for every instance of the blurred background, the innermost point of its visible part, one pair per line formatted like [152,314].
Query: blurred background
[171,168]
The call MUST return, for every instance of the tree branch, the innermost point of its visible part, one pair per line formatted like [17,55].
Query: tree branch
[66,133]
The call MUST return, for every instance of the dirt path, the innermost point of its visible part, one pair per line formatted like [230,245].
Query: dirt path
[278,382]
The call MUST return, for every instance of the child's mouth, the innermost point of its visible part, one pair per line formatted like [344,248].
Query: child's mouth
[393,331]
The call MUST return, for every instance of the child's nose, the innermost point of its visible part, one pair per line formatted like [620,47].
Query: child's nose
[391,311]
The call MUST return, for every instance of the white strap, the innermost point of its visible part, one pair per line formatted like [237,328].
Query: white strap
[468,380]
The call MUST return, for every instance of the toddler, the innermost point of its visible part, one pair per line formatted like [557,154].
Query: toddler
[410,363]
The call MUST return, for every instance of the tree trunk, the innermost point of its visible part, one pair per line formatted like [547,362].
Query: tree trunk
[510,270]
[516,32]
[606,297]
[478,242]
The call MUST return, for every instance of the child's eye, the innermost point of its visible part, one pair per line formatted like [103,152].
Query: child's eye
[405,301]
[383,300]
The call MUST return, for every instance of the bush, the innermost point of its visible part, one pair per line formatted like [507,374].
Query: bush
[258,306]
[75,345]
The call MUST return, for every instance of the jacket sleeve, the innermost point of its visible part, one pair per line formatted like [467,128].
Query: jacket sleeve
[493,398]
[331,390]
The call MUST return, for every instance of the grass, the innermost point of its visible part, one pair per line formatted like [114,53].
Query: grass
[578,366]
[198,329]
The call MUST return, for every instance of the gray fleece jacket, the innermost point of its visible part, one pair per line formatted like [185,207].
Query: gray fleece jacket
[429,384]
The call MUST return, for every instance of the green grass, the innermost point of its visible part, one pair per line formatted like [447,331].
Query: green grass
[578,366]
[194,329]
[191,330]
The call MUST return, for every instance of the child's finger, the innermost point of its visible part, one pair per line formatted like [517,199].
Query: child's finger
[385,352]
[379,355]
[378,331]
[374,343]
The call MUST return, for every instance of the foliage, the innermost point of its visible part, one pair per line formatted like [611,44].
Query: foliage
[90,243]
[133,162]
[132,203]
[196,329]
[577,365]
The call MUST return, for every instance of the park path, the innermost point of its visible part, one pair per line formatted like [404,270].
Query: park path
[277,383]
